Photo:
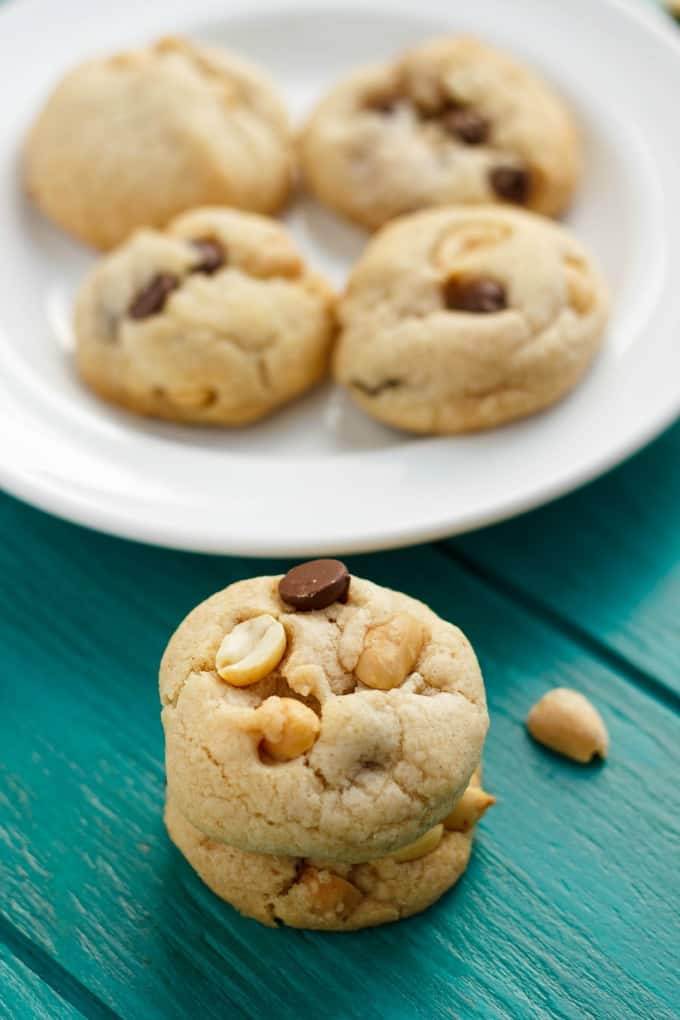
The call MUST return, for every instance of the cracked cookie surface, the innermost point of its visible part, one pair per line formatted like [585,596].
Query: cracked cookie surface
[386,764]
[321,894]
[214,320]
[137,138]
[451,121]
[463,318]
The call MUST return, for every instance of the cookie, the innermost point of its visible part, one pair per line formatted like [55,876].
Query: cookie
[463,318]
[137,138]
[342,730]
[451,121]
[215,320]
[327,895]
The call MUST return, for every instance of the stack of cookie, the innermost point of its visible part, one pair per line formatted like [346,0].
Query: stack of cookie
[461,315]
[323,747]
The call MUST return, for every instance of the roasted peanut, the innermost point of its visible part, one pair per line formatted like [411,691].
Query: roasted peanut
[288,727]
[251,650]
[390,652]
[469,237]
[428,842]
[329,893]
[469,809]
[192,396]
[565,721]
[579,289]
[308,679]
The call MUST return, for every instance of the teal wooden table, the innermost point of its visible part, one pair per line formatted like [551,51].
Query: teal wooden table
[570,906]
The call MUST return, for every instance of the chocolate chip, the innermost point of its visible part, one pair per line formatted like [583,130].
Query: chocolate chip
[375,389]
[470,127]
[511,183]
[384,104]
[151,300]
[482,294]
[212,256]
[315,585]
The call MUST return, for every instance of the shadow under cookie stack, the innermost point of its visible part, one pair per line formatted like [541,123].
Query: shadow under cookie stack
[323,749]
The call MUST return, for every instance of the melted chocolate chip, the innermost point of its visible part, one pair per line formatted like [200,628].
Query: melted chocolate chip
[482,295]
[512,183]
[470,127]
[315,585]
[151,299]
[211,254]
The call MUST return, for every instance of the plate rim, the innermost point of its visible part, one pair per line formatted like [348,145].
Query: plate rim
[36,489]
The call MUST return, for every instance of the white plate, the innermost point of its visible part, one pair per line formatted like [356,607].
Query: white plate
[320,477]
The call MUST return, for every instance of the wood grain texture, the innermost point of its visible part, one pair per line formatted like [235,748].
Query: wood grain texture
[606,559]
[568,908]
[24,996]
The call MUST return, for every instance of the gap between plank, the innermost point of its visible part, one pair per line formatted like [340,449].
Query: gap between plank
[53,974]
[608,656]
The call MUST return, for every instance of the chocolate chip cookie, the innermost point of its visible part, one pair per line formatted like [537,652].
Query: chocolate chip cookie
[319,715]
[451,121]
[137,138]
[330,895]
[214,320]
[458,319]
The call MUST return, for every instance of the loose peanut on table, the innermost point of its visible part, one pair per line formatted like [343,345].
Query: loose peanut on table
[565,721]
[390,652]
[251,650]
[428,842]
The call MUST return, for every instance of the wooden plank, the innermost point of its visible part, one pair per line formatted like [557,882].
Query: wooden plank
[606,558]
[23,996]
[567,909]
[45,977]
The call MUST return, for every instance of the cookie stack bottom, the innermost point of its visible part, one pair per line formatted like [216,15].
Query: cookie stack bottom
[328,895]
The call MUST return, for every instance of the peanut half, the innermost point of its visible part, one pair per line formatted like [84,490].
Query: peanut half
[288,727]
[390,652]
[428,842]
[251,650]
[565,721]
[469,809]
[579,288]
[329,893]
[192,396]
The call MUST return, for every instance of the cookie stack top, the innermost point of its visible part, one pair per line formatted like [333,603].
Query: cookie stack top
[319,714]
